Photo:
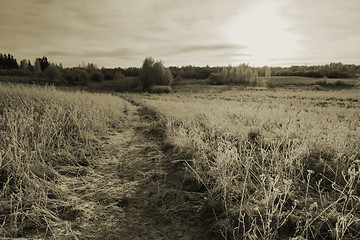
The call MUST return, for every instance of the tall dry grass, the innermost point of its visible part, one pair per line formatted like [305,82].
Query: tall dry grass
[275,167]
[43,130]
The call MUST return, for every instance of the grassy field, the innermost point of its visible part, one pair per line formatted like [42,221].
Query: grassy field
[276,164]
[45,133]
[329,82]
[261,163]
[289,82]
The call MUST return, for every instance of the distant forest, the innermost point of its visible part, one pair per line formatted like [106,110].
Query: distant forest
[44,72]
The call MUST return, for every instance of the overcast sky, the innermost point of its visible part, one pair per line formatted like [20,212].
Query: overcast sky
[121,33]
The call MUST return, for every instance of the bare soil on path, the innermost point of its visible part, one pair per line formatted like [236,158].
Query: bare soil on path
[132,190]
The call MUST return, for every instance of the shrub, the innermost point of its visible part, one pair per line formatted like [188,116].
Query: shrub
[14,72]
[202,75]
[127,84]
[132,72]
[321,82]
[160,89]
[217,79]
[154,73]
[119,76]
[339,83]
[52,72]
[316,88]
[97,76]
[77,76]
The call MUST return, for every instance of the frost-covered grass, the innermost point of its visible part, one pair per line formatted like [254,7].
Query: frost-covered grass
[276,164]
[42,131]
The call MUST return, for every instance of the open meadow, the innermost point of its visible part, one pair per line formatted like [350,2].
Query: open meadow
[275,164]
[189,120]
[47,136]
[205,162]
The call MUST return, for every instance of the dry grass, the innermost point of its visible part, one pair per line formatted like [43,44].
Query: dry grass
[294,80]
[282,164]
[45,131]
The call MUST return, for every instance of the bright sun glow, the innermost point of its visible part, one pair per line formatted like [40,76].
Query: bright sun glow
[264,32]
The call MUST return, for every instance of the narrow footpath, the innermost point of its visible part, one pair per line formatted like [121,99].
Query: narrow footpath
[131,191]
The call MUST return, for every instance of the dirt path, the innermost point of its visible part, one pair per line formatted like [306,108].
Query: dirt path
[129,191]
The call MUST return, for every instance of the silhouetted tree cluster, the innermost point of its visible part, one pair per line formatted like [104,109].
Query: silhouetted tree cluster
[43,62]
[191,72]
[242,74]
[7,61]
[76,76]
[332,70]
[132,72]
[53,72]
[24,64]
[154,73]
[95,74]
[111,73]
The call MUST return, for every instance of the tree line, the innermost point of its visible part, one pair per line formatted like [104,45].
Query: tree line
[7,61]
[332,70]
[155,73]
[41,71]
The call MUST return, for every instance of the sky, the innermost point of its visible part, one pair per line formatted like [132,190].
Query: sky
[121,33]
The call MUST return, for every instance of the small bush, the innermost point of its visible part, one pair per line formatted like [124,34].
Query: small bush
[321,82]
[128,84]
[339,83]
[119,76]
[160,89]
[254,136]
[53,72]
[317,88]
[77,76]
[217,79]
[97,76]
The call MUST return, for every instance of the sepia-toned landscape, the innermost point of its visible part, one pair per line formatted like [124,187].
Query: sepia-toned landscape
[242,138]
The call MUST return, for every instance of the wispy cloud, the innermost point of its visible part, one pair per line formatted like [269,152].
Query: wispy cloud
[211,48]
[43,1]
[121,33]
[329,29]
[59,53]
